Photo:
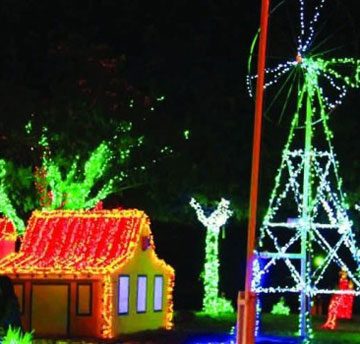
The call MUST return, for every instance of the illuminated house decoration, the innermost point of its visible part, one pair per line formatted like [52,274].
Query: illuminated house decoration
[90,273]
[307,213]
[213,304]
[7,237]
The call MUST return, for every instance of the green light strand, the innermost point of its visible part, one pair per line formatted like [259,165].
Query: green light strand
[28,127]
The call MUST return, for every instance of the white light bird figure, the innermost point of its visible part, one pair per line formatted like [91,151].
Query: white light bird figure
[217,218]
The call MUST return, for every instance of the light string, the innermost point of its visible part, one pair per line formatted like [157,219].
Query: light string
[213,304]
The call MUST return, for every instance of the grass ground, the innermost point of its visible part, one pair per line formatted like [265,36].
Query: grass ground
[347,331]
[190,327]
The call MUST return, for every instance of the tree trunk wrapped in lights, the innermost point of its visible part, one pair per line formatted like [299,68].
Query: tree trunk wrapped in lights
[213,304]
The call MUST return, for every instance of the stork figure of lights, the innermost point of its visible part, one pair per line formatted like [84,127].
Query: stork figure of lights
[213,304]
[307,211]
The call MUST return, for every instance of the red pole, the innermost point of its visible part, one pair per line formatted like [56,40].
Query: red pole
[248,327]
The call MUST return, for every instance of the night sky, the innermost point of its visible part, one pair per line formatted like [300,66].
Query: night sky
[193,53]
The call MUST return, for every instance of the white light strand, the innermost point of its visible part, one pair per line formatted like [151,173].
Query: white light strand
[217,218]
[302,48]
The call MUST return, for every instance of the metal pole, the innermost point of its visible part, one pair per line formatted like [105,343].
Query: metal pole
[248,328]
[305,229]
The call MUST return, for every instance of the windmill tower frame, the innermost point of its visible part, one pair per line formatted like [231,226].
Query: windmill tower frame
[318,209]
[305,224]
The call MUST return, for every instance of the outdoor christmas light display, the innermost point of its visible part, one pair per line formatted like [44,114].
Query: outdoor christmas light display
[93,248]
[307,212]
[213,304]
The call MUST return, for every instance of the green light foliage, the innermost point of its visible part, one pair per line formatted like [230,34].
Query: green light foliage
[213,304]
[318,261]
[63,183]
[6,207]
[280,308]
[15,336]
[71,190]
[186,134]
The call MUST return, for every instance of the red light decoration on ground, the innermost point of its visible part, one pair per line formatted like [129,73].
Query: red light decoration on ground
[341,305]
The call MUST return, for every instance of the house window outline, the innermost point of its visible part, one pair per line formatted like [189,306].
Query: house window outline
[125,277]
[161,278]
[88,284]
[139,278]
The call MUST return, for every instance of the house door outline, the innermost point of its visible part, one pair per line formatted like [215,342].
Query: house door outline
[45,317]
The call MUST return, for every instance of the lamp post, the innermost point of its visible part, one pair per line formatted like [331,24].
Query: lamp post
[246,326]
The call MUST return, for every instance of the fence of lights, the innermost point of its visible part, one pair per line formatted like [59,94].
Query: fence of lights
[308,183]
[213,304]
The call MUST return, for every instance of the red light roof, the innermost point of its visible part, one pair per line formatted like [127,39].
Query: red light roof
[77,241]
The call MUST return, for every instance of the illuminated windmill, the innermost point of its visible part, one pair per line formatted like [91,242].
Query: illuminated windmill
[307,211]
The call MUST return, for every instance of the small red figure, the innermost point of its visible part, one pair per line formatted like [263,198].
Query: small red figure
[341,305]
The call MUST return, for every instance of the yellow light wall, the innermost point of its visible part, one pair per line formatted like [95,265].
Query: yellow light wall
[148,264]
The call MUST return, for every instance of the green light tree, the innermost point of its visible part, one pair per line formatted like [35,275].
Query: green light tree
[61,185]
[71,191]
[6,206]
[213,304]
[280,308]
